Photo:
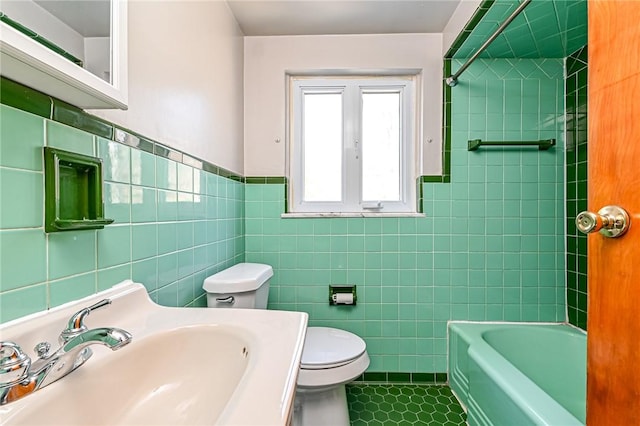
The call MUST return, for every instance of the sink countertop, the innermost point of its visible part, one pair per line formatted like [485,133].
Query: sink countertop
[263,395]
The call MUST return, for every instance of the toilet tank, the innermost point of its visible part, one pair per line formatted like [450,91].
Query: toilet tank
[245,285]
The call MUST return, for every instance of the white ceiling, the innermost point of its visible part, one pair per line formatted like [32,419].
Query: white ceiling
[290,17]
[313,17]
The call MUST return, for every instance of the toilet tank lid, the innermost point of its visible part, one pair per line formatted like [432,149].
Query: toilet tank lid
[238,278]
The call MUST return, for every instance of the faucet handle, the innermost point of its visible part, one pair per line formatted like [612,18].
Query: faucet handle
[14,364]
[76,322]
[42,350]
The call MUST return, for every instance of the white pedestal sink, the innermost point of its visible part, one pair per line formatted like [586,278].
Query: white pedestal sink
[184,365]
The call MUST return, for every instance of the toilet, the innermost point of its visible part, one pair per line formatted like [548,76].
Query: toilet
[330,358]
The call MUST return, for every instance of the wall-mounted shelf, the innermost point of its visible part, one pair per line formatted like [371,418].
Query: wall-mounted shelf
[73,191]
[542,145]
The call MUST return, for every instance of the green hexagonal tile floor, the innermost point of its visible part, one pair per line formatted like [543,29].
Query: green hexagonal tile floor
[382,404]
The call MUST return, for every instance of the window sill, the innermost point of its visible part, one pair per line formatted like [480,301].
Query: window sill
[333,214]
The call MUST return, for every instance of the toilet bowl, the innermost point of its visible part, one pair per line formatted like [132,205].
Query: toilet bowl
[331,357]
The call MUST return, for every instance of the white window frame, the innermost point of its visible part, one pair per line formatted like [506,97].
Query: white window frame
[352,89]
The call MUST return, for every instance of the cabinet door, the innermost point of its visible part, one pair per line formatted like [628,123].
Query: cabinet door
[41,66]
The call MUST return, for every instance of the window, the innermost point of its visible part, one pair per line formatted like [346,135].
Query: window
[352,144]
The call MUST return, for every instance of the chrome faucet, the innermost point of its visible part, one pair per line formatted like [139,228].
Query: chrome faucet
[19,376]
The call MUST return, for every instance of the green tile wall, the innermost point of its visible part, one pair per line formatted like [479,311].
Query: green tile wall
[174,224]
[576,158]
[491,246]
[544,29]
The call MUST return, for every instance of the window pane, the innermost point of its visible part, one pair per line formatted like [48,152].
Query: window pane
[381,147]
[322,135]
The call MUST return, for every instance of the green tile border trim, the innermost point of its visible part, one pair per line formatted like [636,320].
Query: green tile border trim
[75,117]
[433,179]
[166,152]
[282,180]
[129,138]
[255,180]
[419,195]
[446,92]
[286,196]
[396,377]
[468,28]
[191,161]
[272,180]
[24,98]
[39,39]
[446,124]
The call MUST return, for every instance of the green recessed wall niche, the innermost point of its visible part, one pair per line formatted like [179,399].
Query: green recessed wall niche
[73,191]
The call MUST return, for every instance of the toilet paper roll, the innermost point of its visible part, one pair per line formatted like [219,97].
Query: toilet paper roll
[343,298]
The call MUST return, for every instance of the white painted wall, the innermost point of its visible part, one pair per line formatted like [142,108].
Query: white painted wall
[268,59]
[185,79]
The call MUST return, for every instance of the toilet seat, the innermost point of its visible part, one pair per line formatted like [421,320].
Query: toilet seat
[326,347]
[331,357]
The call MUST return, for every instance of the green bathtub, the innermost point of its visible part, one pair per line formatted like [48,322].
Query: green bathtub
[519,374]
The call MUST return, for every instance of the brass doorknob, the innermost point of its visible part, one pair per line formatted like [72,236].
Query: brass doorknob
[610,221]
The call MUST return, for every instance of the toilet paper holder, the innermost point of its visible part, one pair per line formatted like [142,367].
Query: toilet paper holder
[342,295]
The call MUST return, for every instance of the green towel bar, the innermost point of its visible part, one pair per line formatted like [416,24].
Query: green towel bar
[542,145]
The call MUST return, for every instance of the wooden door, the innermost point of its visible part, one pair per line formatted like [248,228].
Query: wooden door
[613,339]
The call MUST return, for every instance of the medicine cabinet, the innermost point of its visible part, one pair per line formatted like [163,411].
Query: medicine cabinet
[73,50]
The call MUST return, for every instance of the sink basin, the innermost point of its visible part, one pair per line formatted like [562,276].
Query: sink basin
[137,385]
[184,366]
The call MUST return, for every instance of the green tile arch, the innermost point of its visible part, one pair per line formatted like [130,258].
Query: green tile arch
[24,98]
